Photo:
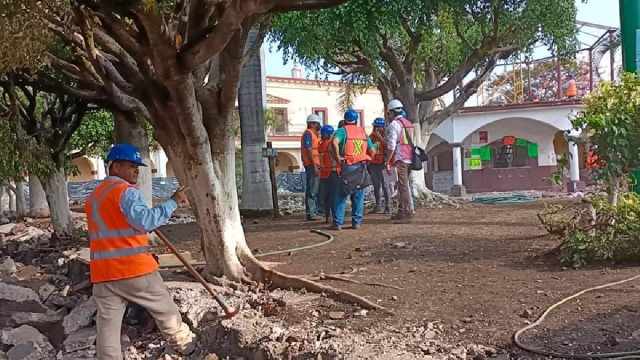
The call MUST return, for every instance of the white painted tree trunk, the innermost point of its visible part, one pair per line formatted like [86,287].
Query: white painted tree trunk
[130,129]
[12,198]
[21,202]
[214,199]
[38,207]
[256,184]
[419,187]
[55,186]
[3,199]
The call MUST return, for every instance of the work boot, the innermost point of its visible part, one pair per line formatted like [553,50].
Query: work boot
[376,210]
[355,227]
[313,218]
[335,227]
[404,218]
[387,210]
[327,220]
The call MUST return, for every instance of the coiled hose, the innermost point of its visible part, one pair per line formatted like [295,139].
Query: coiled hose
[618,355]
[285,251]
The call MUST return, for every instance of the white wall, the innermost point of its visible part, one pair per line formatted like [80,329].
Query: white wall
[304,95]
[531,130]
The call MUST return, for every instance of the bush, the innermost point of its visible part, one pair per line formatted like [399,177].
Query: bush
[614,233]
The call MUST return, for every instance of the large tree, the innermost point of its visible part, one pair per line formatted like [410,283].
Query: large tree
[420,50]
[179,65]
[42,125]
[513,85]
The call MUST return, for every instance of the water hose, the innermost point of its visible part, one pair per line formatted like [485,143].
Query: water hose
[285,251]
[619,355]
[517,198]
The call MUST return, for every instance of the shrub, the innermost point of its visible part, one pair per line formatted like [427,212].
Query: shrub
[614,233]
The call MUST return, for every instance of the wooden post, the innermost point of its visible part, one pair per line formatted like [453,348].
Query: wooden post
[272,175]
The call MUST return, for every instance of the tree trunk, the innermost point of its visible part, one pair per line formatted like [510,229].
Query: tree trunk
[38,207]
[55,186]
[130,129]
[21,202]
[12,198]
[613,191]
[214,199]
[256,184]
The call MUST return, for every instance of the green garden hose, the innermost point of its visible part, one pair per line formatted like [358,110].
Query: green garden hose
[285,251]
[517,198]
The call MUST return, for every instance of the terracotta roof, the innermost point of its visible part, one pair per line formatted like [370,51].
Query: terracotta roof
[272,99]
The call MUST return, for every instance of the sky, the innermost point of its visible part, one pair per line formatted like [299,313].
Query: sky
[602,12]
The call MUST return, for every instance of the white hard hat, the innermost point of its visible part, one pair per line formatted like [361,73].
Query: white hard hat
[394,104]
[313,118]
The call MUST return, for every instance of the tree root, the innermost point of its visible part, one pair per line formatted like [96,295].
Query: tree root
[279,280]
[340,278]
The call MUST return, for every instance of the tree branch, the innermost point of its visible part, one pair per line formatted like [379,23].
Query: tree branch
[390,57]
[414,42]
[255,47]
[303,5]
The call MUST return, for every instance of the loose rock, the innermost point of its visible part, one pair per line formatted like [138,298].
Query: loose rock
[18,298]
[81,339]
[81,316]
[21,335]
[8,266]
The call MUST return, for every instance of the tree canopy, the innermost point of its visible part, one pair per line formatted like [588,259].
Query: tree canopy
[420,50]
[513,85]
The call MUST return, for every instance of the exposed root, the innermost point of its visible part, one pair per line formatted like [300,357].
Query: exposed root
[279,280]
[224,282]
[340,278]
[431,199]
[284,281]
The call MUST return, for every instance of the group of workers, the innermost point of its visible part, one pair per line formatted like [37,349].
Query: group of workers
[335,162]
[570,88]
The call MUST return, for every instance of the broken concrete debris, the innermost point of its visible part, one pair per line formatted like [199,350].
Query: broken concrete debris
[47,312]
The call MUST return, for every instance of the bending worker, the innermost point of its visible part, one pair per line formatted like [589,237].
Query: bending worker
[121,267]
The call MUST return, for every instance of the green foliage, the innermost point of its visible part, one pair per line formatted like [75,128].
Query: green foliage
[96,134]
[349,38]
[611,118]
[614,234]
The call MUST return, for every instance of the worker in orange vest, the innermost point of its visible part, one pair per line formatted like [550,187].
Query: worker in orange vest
[121,268]
[570,87]
[353,149]
[329,172]
[311,162]
[377,166]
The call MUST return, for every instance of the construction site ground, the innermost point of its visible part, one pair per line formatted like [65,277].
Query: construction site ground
[480,272]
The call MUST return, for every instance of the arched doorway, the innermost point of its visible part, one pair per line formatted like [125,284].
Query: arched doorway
[561,147]
[285,162]
[84,168]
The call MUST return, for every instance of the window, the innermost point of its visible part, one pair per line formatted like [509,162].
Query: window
[509,156]
[322,112]
[280,121]
[360,117]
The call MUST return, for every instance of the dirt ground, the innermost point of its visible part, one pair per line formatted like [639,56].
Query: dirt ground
[483,271]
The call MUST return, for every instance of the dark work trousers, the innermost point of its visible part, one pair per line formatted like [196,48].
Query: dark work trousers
[311,193]
[377,178]
[328,189]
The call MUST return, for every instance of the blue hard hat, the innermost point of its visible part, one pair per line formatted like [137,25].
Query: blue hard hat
[350,116]
[125,152]
[379,122]
[340,124]
[326,130]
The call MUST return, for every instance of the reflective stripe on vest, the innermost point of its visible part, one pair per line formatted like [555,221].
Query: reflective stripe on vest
[118,251]
[378,158]
[104,232]
[355,145]
[306,160]
[327,164]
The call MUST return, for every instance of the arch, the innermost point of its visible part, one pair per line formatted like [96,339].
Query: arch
[85,169]
[561,147]
[170,170]
[286,162]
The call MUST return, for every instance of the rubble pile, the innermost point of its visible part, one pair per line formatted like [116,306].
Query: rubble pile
[47,312]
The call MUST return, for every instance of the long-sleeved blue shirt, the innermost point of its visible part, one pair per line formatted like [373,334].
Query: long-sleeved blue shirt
[138,214]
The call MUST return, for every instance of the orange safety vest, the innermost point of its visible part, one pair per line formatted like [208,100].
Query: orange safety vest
[355,146]
[327,164]
[118,251]
[592,160]
[378,158]
[572,90]
[306,160]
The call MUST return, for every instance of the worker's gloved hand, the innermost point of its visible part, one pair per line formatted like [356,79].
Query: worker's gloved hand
[180,196]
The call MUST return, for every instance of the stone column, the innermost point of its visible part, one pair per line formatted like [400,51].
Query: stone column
[100,167]
[458,188]
[574,184]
